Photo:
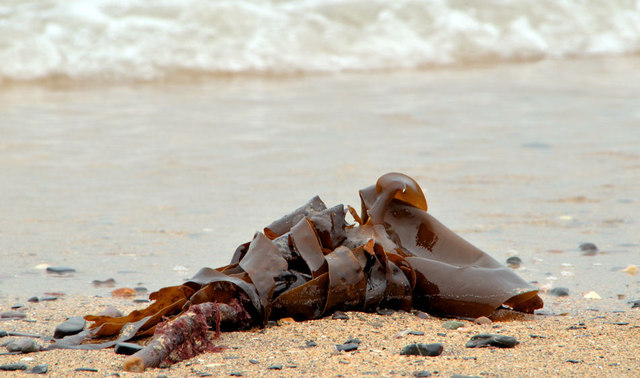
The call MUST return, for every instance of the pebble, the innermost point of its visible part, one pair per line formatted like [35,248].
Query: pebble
[452,324]
[86,369]
[420,349]
[60,270]
[13,315]
[254,361]
[483,320]
[514,262]
[353,340]
[347,347]
[311,343]
[33,300]
[111,311]
[123,292]
[422,373]
[588,249]
[422,315]
[635,304]
[385,311]
[17,306]
[340,315]
[486,340]
[127,349]
[38,369]
[275,367]
[13,367]
[559,292]
[23,345]
[70,326]
[110,282]
[3,333]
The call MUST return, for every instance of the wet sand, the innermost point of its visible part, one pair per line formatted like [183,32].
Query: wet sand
[602,343]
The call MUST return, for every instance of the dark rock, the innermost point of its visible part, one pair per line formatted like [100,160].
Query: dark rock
[60,270]
[415,333]
[452,324]
[574,361]
[236,374]
[111,311]
[588,249]
[275,367]
[422,373]
[140,290]
[3,333]
[38,369]
[422,315]
[353,340]
[441,334]
[71,326]
[17,306]
[49,298]
[385,311]
[311,343]
[127,348]
[340,315]
[635,304]
[13,315]
[483,320]
[514,262]
[347,347]
[559,292]
[254,361]
[420,349]
[33,300]
[486,340]
[13,367]
[141,300]
[23,345]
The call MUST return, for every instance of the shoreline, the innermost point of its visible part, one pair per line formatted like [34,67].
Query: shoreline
[587,342]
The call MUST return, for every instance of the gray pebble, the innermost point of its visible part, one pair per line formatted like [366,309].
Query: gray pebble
[422,373]
[559,292]
[127,349]
[71,326]
[275,367]
[486,340]
[60,270]
[348,347]
[588,249]
[13,315]
[23,345]
[38,369]
[452,324]
[340,315]
[514,262]
[13,367]
[420,349]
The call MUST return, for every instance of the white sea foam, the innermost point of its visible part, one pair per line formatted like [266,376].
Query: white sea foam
[146,40]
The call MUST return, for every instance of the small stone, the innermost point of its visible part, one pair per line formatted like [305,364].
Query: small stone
[486,340]
[385,311]
[17,306]
[483,320]
[60,270]
[635,303]
[559,292]
[110,282]
[33,300]
[127,349]
[111,311]
[13,315]
[592,295]
[13,367]
[420,349]
[574,361]
[92,370]
[422,373]
[253,361]
[353,340]
[452,324]
[141,300]
[275,367]
[23,345]
[422,315]
[123,292]
[71,326]
[588,249]
[236,374]
[347,347]
[3,333]
[48,298]
[514,262]
[340,315]
[311,344]
[38,369]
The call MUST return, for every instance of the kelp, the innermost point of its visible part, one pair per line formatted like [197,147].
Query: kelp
[312,262]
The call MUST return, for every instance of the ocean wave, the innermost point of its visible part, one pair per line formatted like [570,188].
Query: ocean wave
[147,40]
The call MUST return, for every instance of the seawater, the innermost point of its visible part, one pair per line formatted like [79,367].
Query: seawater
[105,40]
[141,141]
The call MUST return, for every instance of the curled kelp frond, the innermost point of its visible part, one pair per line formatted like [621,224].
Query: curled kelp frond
[311,263]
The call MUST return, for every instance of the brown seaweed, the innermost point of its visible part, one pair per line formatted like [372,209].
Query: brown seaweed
[311,263]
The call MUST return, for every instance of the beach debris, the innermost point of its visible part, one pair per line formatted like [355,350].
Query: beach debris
[514,262]
[23,345]
[69,327]
[631,270]
[559,291]
[60,270]
[123,292]
[420,349]
[311,263]
[592,295]
[452,324]
[589,249]
[38,369]
[406,332]
[14,366]
[487,340]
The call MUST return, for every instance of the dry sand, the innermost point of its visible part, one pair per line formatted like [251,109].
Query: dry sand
[603,343]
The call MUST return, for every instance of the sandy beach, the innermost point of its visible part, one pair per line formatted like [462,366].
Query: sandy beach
[587,342]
